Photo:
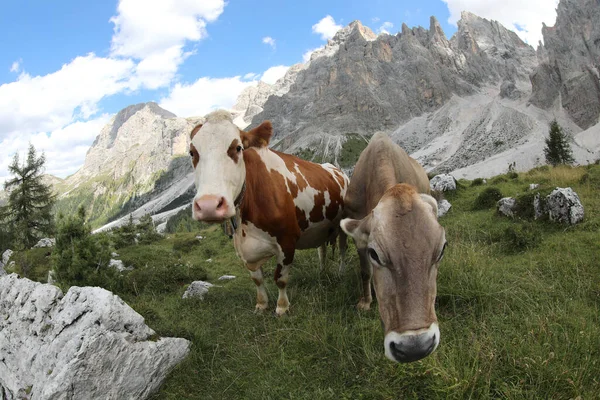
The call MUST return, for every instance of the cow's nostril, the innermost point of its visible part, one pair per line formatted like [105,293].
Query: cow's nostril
[197,206]
[221,202]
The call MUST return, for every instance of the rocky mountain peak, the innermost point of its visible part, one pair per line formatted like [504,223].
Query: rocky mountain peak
[354,30]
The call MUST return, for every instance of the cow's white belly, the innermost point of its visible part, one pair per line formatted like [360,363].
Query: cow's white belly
[256,245]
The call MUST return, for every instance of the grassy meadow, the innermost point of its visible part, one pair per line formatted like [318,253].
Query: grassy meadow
[518,306]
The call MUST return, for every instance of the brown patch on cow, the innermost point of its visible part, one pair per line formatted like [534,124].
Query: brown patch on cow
[257,137]
[403,193]
[316,214]
[195,155]
[257,281]
[292,187]
[301,217]
[243,233]
[233,152]
[195,130]
[339,177]
[268,205]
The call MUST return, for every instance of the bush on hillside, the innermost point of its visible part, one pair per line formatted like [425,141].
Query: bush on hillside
[521,237]
[185,244]
[477,182]
[487,198]
[592,176]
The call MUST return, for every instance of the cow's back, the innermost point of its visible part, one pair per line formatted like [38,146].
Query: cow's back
[381,165]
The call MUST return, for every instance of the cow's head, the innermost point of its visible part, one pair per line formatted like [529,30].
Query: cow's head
[404,244]
[216,149]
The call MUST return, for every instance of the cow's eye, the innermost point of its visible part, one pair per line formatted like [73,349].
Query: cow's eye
[374,256]
[239,148]
[191,153]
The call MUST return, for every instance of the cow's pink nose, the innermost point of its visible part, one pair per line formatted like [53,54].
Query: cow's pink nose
[211,208]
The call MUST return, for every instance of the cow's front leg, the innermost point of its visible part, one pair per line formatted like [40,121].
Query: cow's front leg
[256,273]
[366,272]
[282,273]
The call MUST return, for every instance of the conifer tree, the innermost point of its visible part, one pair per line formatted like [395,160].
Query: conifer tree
[558,150]
[28,214]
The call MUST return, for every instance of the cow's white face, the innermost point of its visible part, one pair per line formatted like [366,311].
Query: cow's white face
[217,149]
[404,244]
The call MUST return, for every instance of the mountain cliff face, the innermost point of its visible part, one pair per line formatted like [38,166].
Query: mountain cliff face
[569,70]
[141,151]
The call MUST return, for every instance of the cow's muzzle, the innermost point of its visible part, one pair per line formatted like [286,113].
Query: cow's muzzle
[211,208]
[412,345]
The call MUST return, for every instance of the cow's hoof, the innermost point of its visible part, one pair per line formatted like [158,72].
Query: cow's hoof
[260,308]
[281,311]
[363,305]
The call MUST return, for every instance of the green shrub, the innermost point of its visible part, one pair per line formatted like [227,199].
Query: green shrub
[487,198]
[591,176]
[524,203]
[521,237]
[33,264]
[499,179]
[477,182]
[185,244]
[512,175]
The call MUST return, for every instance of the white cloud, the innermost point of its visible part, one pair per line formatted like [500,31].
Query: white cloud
[269,40]
[326,27]
[155,32]
[16,66]
[385,27]
[65,148]
[204,95]
[251,76]
[523,17]
[274,73]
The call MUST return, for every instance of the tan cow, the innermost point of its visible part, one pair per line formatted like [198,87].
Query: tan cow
[278,202]
[394,224]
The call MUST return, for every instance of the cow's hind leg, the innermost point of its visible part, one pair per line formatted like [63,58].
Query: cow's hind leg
[366,272]
[343,239]
[256,273]
[322,255]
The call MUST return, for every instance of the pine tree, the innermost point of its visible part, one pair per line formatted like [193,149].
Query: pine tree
[28,214]
[558,150]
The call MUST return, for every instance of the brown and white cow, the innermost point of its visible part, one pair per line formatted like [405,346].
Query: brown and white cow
[279,202]
[393,221]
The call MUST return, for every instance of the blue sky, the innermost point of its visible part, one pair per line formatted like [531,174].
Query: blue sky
[66,66]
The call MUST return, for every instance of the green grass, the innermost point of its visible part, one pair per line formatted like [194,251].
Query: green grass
[516,322]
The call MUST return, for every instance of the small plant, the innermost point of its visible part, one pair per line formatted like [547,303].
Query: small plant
[521,237]
[487,198]
[558,150]
[477,182]
[186,244]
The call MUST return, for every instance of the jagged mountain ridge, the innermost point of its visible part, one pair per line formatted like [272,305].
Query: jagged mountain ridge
[466,105]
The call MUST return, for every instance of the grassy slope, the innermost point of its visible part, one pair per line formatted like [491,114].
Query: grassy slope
[514,323]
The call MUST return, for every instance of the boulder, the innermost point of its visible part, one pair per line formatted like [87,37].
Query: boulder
[442,183]
[45,242]
[6,256]
[443,207]
[564,206]
[506,206]
[87,344]
[197,289]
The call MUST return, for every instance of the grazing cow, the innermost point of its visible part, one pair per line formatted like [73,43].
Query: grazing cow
[394,224]
[277,202]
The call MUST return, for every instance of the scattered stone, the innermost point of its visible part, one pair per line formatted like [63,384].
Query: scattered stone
[443,207]
[87,344]
[506,206]
[209,260]
[197,289]
[45,242]
[564,206]
[118,265]
[114,255]
[484,181]
[199,237]
[6,256]
[533,186]
[50,279]
[226,277]
[443,183]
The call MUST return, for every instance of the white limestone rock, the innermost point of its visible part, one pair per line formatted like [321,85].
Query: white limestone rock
[564,206]
[226,277]
[45,242]
[118,265]
[87,344]
[197,289]
[443,183]
[506,206]
[443,207]
[539,207]
[6,256]
[533,186]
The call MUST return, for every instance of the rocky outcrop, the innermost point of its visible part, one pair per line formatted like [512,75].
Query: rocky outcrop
[4,261]
[45,242]
[86,345]
[506,206]
[197,289]
[563,205]
[442,183]
[443,207]
[569,73]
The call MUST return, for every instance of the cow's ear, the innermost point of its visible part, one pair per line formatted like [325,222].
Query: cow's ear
[195,130]
[259,136]
[358,229]
[432,202]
